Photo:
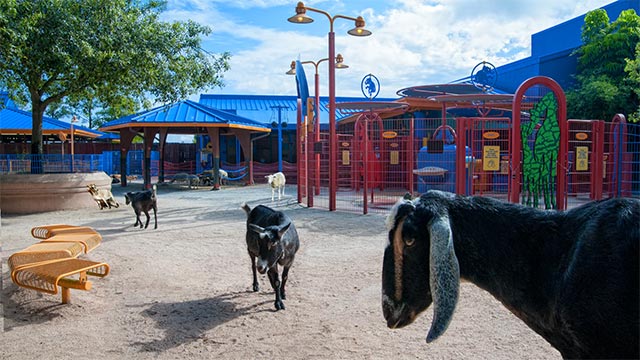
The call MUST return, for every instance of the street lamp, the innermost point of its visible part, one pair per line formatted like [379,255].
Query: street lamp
[301,17]
[339,63]
[74,119]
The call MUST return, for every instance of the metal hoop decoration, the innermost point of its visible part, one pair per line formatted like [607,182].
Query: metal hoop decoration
[370,86]
[484,76]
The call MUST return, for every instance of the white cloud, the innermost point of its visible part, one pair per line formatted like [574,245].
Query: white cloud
[414,42]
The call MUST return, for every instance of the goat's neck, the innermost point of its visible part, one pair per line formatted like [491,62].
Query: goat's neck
[515,261]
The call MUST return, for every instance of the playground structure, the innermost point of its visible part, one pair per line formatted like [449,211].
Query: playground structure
[518,148]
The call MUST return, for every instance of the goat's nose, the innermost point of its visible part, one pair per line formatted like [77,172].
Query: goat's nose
[262,269]
[261,265]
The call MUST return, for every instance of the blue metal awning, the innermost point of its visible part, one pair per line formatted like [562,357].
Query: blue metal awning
[16,121]
[183,115]
[262,108]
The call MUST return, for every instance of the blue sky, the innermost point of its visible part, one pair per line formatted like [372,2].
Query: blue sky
[413,43]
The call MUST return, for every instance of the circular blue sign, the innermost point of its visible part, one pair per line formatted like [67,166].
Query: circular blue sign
[484,76]
[370,86]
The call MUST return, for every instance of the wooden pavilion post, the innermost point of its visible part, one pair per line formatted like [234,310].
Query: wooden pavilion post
[214,138]
[244,137]
[126,137]
[163,140]
[149,135]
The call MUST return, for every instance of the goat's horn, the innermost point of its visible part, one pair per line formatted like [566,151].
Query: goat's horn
[444,279]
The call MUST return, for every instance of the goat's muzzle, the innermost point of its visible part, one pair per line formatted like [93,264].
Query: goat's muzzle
[397,315]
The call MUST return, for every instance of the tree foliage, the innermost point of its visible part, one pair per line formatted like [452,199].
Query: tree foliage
[114,55]
[605,81]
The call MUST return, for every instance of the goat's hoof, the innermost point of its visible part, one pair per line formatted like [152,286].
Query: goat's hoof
[279,305]
[256,288]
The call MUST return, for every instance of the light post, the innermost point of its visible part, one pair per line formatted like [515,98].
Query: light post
[74,119]
[339,63]
[359,30]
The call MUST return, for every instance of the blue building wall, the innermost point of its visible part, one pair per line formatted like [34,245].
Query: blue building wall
[551,51]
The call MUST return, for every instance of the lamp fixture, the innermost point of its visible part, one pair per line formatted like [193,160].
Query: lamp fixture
[301,16]
[292,71]
[339,64]
[359,30]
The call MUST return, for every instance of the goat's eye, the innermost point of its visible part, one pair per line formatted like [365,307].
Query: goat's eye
[409,241]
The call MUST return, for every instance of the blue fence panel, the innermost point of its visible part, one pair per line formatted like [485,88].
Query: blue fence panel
[108,161]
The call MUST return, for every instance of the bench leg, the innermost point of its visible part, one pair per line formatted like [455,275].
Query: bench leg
[66,295]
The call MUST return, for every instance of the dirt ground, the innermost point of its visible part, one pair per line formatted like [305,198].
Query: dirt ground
[183,291]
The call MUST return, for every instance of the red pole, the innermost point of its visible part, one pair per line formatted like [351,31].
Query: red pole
[365,167]
[299,133]
[460,156]
[333,138]
[316,134]
[598,155]
[412,134]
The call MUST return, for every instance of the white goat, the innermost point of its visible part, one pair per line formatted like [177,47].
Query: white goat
[276,181]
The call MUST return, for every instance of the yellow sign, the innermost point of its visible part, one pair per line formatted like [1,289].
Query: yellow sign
[582,158]
[389,134]
[394,158]
[491,135]
[345,157]
[394,145]
[491,158]
[345,144]
[581,136]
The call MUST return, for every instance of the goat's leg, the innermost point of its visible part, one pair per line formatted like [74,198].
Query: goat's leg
[285,276]
[138,220]
[148,218]
[155,217]
[275,284]
[256,286]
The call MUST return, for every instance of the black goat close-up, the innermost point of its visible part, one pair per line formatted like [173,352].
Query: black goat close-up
[571,276]
[143,201]
[272,240]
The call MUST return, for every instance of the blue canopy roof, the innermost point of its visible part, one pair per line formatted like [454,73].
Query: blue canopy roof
[16,121]
[264,108]
[183,115]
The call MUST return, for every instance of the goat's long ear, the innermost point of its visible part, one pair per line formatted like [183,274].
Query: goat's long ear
[283,229]
[444,278]
[256,228]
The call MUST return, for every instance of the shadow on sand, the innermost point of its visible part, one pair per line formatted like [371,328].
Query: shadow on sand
[188,321]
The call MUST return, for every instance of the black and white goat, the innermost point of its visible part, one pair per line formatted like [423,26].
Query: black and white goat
[272,239]
[572,276]
[143,201]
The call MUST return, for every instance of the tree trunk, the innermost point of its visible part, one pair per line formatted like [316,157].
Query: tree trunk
[37,109]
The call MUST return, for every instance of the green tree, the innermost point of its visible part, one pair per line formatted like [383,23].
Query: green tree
[633,69]
[605,85]
[113,55]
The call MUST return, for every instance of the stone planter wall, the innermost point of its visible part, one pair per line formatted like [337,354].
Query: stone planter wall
[31,193]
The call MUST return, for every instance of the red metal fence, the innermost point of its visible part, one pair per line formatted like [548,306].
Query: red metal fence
[381,160]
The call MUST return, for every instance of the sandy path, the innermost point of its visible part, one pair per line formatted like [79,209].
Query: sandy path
[183,292]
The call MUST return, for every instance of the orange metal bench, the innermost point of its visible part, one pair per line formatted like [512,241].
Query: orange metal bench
[88,237]
[46,276]
[53,262]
